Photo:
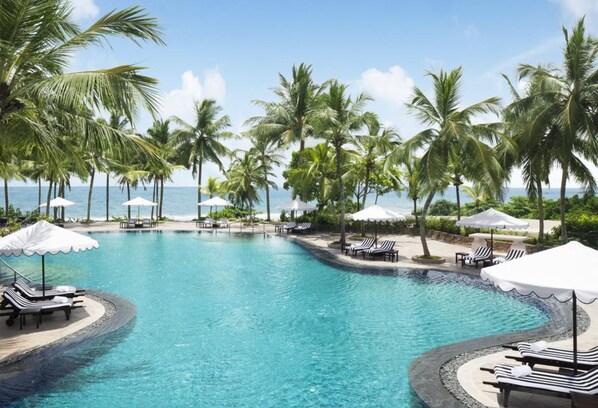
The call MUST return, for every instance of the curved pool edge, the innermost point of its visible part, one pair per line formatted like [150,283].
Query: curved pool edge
[22,374]
[425,376]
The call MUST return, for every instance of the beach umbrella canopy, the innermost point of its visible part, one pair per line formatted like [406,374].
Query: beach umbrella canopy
[376,214]
[139,202]
[44,238]
[492,219]
[59,202]
[296,205]
[550,273]
[215,201]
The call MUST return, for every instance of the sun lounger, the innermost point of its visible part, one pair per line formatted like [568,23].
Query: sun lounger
[21,306]
[480,255]
[385,247]
[147,223]
[364,246]
[131,223]
[544,382]
[512,254]
[303,228]
[208,223]
[551,356]
[222,223]
[33,293]
[288,227]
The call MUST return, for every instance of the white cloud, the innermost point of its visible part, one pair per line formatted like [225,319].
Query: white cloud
[581,8]
[84,9]
[179,102]
[394,85]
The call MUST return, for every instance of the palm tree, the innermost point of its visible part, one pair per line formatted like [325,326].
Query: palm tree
[268,154]
[411,181]
[162,139]
[374,147]
[451,137]
[340,117]
[38,38]
[569,97]
[315,172]
[201,142]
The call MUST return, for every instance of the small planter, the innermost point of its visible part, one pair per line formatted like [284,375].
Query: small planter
[433,260]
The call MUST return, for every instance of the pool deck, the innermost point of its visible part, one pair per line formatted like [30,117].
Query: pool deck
[55,327]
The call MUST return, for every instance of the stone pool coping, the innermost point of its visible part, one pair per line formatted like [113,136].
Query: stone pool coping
[20,374]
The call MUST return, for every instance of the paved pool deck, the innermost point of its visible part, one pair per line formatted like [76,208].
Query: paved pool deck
[55,327]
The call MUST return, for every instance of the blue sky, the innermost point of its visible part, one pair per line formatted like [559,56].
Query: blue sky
[233,50]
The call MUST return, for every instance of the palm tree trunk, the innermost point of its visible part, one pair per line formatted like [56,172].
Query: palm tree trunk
[367,185]
[458,202]
[540,212]
[61,194]
[55,208]
[39,192]
[154,197]
[415,209]
[107,195]
[128,199]
[563,192]
[267,196]
[341,193]
[48,200]
[422,223]
[161,194]
[91,178]
[199,189]
[6,196]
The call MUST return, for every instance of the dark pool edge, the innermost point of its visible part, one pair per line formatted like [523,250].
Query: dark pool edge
[425,371]
[27,367]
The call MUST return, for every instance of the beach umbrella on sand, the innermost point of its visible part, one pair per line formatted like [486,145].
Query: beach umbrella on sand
[215,202]
[376,214]
[567,272]
[139,202]
[492,219]
[44,238]
[296,205]
[59,202]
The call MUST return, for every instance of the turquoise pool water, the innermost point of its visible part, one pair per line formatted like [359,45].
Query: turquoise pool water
[232,321]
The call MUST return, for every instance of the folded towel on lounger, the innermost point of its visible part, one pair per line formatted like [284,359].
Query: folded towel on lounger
[60,299]
[521,371]
[64,288]
[538,346]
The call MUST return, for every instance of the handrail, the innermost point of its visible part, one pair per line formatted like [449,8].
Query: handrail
[14,271]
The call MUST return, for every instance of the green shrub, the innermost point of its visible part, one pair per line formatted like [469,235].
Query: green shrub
[582,227]
[442,224]
[442,207]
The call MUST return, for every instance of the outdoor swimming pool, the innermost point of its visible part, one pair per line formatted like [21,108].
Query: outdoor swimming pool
[229,321]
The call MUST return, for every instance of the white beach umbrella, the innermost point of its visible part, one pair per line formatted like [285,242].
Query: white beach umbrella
[376,214]
[139,202]
[492,219]
[44,238]
[567,272]
[297,205]
[215,201]
[59,202]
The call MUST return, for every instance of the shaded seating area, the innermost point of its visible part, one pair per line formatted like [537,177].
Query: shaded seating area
[223,223]
[481,254]
[32,293]
[138,223]
[303,228]
[287,227]
[386,249]
[538,353]
[19,307]
[512,254]
[353,249]
[524,379]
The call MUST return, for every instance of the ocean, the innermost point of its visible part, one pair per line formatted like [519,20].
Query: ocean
[181,202]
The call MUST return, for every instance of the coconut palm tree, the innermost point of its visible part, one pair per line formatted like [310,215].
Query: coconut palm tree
[201,142]
[38,38]
[450,137]
[341,116]
[569,96]
[268,154]
[316,171]
[160,136]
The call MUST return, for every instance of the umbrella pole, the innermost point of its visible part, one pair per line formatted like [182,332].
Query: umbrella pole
[43,277]
[376,233]
[574,334]
[491,244]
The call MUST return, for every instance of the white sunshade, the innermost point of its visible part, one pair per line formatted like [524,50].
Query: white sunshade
[297,205]
[140,202]
[557,272]
[42,238]
[375,213]
[59,202]
[492,219]
[216,201]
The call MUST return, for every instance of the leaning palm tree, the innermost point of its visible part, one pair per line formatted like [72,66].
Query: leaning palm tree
[201,142]
[451,137]
[340,118]
[36,41]
[569,96]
